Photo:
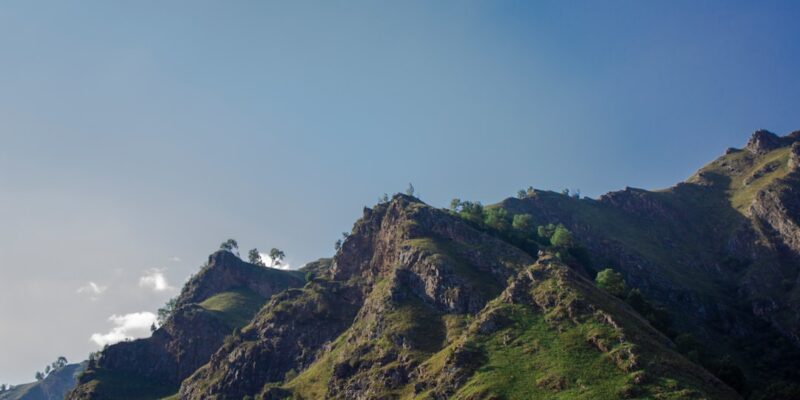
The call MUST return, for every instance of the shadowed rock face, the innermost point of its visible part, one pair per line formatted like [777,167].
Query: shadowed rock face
[192,334]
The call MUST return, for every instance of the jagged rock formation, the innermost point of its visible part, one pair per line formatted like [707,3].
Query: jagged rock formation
[424,299]
[53,387]
[763,141]
[222,297]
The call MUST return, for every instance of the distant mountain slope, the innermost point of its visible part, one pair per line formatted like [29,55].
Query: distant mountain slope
[222,297]
[53,387]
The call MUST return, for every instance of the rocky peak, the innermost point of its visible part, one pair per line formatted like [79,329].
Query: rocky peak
[225,271]
[763,141]
[193,332]
[635,201]
[379,229]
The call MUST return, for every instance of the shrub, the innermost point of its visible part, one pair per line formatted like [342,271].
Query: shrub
[523,223]
[165,312]
[498,219]
[546,231]
[611,281]
[562,237]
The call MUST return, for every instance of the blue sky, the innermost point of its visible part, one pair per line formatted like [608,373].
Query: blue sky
[136,136]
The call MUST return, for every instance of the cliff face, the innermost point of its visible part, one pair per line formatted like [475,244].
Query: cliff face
[223,296]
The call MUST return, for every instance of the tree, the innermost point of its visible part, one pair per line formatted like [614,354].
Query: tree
[611,281]
[546,231]
[565,192]
[497,218]
[165,312]
[523,223]
[562,237]
[337,244]
[276,256]
[383,199]
[521,194]
[153,327]
[472,211]
[230,245]
[455,204]
[39,376]
[47,370]
[531,191]
[410,189]
[62,362]
[255,258]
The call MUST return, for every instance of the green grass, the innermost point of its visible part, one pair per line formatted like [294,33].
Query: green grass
[541,362]
[740,167]
[417,321]
[423,328]
[312,383]
[235,308]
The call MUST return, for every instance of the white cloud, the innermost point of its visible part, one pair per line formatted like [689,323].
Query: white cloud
[92,289]
[128,326]
[154,279]
[175,259]
[267,260]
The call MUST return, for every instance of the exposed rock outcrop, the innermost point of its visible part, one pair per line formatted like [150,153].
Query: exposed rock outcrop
[763,141]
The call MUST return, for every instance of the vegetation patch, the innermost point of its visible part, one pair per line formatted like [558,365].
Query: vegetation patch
[235,308]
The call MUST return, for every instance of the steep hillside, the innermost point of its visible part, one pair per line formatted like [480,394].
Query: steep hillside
[219,299]
[53,387]
[420,304]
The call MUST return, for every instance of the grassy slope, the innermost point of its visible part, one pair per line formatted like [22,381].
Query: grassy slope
[235,307]
[739,167]
[542,359]
[713,204]
[425,328]
[541,362]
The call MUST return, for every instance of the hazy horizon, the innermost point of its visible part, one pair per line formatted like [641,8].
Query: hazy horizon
[138,136]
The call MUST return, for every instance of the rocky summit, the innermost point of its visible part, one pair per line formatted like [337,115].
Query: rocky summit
[690,292]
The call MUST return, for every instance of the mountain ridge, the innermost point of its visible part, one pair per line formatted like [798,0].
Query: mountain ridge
[475,302]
